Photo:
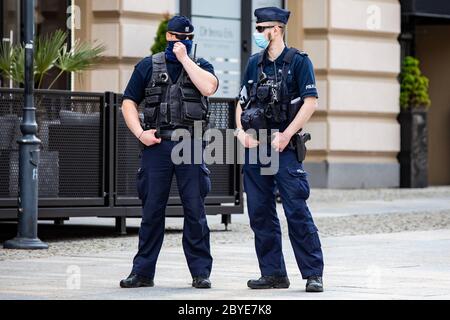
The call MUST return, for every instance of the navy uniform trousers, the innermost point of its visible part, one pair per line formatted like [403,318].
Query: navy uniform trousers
[293,186]
[154,180]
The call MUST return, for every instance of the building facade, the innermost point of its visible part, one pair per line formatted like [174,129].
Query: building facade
[353,44]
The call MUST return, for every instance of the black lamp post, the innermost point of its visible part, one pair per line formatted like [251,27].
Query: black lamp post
[29,150]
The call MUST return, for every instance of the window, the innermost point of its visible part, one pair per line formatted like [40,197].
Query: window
[50,16]
[218,36]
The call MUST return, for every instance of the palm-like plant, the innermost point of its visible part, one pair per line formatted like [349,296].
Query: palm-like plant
[46,54]
[50,52]
[6,56]
[18,64]
[81,57]
[10,66]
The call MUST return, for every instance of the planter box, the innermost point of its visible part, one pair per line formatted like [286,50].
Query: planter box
[413,156]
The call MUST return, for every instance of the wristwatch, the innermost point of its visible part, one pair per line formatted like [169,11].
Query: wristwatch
[236,131]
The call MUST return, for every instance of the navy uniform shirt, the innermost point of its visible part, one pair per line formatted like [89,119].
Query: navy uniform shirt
[300,80]
[142,75]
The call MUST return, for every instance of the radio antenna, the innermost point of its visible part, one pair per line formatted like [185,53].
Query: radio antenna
[195,52]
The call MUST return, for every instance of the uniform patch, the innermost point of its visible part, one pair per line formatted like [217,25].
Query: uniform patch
[310,86]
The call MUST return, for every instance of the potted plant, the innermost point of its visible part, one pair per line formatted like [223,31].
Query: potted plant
[414,103]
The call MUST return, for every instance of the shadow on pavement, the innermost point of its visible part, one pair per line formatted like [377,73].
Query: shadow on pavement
[49,232]
[52,232]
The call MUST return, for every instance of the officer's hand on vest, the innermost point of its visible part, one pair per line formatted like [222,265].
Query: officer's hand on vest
[247,140]
[148,138]
[280,141]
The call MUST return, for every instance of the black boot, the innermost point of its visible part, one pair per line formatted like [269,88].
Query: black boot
[136,281]
[269,282]
[314,284]
[201,283]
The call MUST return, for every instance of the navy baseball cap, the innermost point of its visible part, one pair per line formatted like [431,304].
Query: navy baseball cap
[272,14]
[180,24]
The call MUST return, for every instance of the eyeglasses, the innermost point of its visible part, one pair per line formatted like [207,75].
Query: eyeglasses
[183,36]
[262,28]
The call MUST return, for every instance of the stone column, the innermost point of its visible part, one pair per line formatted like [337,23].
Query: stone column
[353,46]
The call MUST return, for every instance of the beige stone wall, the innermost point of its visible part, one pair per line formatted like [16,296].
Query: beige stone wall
[127,28]
[354,48]
[352,43]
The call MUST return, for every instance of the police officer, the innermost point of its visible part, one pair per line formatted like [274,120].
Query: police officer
[274,79]
[164,80]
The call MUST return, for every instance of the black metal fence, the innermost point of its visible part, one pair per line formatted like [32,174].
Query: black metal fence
[89,158]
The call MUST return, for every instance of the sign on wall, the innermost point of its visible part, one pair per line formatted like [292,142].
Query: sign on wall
[218,38]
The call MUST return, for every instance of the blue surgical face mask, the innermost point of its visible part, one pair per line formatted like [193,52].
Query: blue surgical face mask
[169,50]
[261,40]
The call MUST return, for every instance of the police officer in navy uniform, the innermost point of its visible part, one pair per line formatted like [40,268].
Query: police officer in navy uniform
[163,81]
[292,70]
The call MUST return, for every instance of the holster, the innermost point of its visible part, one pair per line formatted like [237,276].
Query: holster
[298,143]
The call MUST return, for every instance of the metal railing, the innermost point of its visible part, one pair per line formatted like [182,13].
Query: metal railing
[89,158]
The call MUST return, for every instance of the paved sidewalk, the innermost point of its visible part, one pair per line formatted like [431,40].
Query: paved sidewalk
[378,244]
[407,265]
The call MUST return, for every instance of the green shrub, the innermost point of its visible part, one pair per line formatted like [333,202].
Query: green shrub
[160,39]
[413,85]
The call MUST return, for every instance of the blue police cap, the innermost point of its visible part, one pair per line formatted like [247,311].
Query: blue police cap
[272,14]
[180,24]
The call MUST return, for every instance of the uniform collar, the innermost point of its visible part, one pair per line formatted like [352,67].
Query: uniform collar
[279,59]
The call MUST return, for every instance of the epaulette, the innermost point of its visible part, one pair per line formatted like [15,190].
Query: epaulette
[303,53]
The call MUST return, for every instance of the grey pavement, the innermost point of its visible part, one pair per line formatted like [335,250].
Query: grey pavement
[378,244]
[407,265]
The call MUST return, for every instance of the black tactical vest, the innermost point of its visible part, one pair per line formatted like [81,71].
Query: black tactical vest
[177,104]
[269,98]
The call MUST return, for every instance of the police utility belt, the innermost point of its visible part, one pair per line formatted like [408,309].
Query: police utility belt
[268,101]
[169,104]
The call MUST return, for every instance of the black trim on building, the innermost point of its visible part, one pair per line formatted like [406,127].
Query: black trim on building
[435,9]
[246,33]
[2,20]
[186,8]
[420,12]
[69,44]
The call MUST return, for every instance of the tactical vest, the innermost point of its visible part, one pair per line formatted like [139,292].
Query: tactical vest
[177,104]
[269,98]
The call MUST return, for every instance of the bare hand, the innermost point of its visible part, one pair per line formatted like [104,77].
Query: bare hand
[247,140]
[148,138]
[280,141]
[180,51]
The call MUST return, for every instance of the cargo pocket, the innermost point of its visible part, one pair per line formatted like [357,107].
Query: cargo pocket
[141,183]
[193,110]
[299,186]
[153,96]
[192,106]
[150,115]
[205,181]
[312,241]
